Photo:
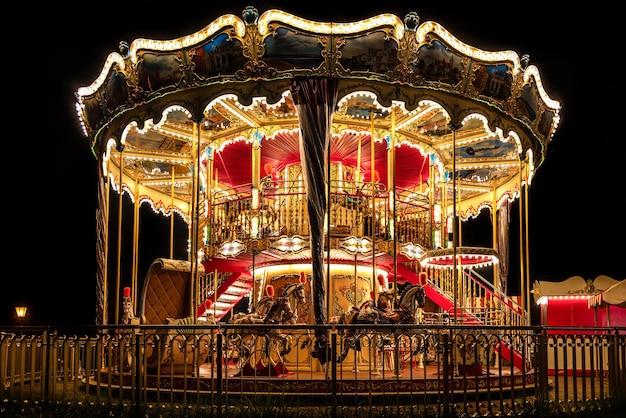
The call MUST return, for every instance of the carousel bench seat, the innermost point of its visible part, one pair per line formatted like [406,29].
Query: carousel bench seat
[164,301]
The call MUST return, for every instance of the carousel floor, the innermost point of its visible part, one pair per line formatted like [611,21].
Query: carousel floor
[426,380]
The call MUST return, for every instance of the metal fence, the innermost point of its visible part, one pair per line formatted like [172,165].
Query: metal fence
[431,370]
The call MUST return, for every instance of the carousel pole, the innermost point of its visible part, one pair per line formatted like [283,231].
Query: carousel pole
[135,280]
[172,216]
[392,178]
[357,175]
[373,188]
[455,234]
[372,353]
[211,184]
[494,238]
[106,207]
[256,189]
[195,216]
[522,244]
[527,248]
[119,237]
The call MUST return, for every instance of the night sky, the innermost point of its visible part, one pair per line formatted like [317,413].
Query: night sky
[577,199]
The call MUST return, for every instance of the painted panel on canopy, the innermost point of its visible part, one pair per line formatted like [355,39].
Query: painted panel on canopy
[493,81]
[437,63]
[372,53]
[159,70]
[287,49]
[223,55]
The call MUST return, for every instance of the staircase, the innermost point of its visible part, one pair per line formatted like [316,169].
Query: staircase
[505,310]
[231,288]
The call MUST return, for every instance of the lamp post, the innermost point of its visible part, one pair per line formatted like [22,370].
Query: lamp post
[20,311]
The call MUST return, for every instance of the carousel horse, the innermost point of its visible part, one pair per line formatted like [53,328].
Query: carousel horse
[263,345]
[413,345]
[257,313]
[383,311]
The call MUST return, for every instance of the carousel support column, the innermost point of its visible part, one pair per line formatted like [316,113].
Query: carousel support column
[357,175]
[446,228]
[431,202]
[522,242]
[119,235]
[463,291]
[215,282]
[211,185]
[373,209]
[256,160]
[105,207]
[329,300]
[135,280]
[255,234]
[455,232]
[391,175]
[195,218]
[172,215]
[374,343]
[494,237]
[525,294]
[315,100]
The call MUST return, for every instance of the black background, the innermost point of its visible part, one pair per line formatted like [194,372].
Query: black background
[577,198]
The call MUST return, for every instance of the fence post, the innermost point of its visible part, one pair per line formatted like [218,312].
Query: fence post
[333,377]
[219,357]
[541,365]
[447,368]
[612,364]
[138,362]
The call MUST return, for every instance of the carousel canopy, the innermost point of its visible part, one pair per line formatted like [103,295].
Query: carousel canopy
[483,115]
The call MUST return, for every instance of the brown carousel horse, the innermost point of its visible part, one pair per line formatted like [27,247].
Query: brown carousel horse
[384,311]
[261,347]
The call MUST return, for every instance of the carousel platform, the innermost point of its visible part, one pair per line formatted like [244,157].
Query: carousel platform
[429,380]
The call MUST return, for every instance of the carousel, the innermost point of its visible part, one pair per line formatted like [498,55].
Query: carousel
[337,160]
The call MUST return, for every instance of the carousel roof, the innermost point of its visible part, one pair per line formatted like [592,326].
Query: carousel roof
[227,86]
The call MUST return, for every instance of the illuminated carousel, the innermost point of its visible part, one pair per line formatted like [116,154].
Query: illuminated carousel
[340,156]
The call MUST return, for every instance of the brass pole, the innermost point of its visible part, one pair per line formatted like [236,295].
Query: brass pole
[373,210]
[494,238]
[455,234]
[105,264]
[172,215]
[392,176]
[522,244]
[195,217]
[133,296]
[527,234]
[119,239]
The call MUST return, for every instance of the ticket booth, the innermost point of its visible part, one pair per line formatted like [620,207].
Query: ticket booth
[568,304]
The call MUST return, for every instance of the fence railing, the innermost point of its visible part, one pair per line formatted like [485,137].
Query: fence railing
[441,369]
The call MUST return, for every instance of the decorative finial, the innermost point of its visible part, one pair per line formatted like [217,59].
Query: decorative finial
[525,60]
[250,15]
[124,49]
[411,20]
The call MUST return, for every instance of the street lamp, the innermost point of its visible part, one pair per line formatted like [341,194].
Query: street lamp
[21,313]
